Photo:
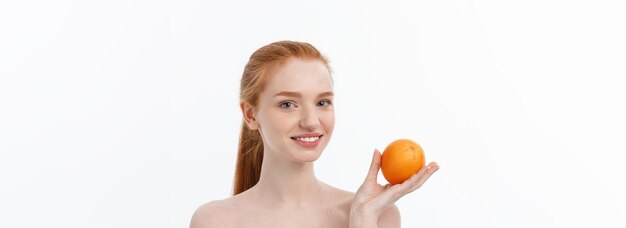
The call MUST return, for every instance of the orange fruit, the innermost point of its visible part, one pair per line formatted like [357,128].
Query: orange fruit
[401,159]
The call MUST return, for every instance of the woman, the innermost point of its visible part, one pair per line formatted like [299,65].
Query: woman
[287,105]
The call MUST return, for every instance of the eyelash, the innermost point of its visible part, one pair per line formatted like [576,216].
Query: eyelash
[286,102]
[327,101]
[292,103]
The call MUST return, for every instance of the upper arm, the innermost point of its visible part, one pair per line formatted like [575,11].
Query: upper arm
[206,216]
[390,218]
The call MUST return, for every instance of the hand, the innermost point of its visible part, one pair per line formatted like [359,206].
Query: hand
[372,199]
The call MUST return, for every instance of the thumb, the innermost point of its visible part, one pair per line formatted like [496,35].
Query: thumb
[372,175]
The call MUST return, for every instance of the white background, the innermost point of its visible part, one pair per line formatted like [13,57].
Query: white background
[125,113]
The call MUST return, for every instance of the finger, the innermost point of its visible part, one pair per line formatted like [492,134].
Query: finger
[393,192]
[413,179]
[397,191]
[372,175]
[432,168]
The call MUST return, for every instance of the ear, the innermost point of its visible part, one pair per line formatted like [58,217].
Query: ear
[248,115]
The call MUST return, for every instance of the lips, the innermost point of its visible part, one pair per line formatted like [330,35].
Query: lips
[307,140]
[307,137]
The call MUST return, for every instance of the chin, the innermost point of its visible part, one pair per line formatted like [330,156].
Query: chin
[307,155]
[303,154]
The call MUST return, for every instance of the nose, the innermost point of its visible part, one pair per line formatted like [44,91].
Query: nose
[310,119]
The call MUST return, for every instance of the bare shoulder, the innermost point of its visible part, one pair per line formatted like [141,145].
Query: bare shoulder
[212,214]
[390,218]
[340,196]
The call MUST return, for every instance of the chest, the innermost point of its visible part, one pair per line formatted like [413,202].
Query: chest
[329,217]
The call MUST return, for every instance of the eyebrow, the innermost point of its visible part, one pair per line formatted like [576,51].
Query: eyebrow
[299,95]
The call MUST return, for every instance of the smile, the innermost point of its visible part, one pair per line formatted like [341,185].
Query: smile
[307,139]
[307,142]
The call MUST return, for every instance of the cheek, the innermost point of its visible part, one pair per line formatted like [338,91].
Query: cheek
[328,121]
[276,124]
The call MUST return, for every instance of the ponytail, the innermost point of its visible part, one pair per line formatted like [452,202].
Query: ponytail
[249,160]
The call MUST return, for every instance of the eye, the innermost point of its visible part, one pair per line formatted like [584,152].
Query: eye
[287,105]
[324,103]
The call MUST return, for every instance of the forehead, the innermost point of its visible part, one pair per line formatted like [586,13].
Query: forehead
[298,75]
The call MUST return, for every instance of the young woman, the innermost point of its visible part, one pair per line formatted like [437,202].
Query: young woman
[287,105]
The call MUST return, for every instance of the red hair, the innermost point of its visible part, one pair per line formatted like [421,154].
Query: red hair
[250,152]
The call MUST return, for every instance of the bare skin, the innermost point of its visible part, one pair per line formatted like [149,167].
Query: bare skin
[250,210]
[288,194]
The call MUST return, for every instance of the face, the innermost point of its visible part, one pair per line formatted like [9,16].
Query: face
[295,113]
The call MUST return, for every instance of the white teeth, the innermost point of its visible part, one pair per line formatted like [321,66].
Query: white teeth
[308,139]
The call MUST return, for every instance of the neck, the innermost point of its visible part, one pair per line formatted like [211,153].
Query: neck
[287,183]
